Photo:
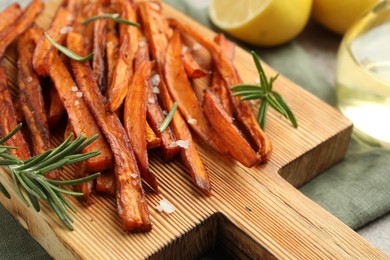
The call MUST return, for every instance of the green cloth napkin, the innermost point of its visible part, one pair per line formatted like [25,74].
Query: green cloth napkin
[356,190]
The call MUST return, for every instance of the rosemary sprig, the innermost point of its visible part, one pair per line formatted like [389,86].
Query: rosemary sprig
[28,175]
[68,52]
[168,118]
[115,17]
[266,94]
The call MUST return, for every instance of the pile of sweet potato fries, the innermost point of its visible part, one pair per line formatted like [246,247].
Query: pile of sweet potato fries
[123,95]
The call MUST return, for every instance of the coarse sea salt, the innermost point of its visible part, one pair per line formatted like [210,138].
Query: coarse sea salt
[155,80]
[151,100]
[79,94]
[184,49]
[75,89]
[66,29]
[183,143]
[165,206]
[192,121]
[29,79]
[257,80]
[142,43]
[76,103]
[196,47]
[156,90]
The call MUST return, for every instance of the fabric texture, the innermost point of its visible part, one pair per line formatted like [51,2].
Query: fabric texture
[356,190]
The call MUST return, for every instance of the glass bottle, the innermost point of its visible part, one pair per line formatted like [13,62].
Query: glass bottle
[363,75]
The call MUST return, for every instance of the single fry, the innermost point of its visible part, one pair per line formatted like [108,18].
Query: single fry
[151,138]
[218,85]
[112,52]
[181,91]
[24,21]
[80,171]
[99,46]
[132,207]
[56,108]
[79,115]
[60,26]
[151,13]
[192,68]
[124,69]
[155,116]
[31,99]
[134,119]
[8,120]
[223,124]
[243,109]
[9,15]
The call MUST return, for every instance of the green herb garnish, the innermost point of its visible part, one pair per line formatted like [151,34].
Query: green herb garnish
[68,52]
[264,92]
[168,118]
[114,17]
[28,175]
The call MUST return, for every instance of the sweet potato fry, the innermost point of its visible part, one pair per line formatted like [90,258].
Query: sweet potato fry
[123,71]
[180,89]
[192,68]
[59,28]
[56,108]
[105,183]
[99,47]
[223,123]
[112,43]
[134,119]
[132,206]
[156,117]
[80,172]
[24,21]
[79,115]
[8,120]
[31,98]
[151,138]
[243,109]
[9,15]
[218,85]
[151,13]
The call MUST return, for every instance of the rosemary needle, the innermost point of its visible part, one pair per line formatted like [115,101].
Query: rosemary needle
[168,118]
[115,17]
[266,94]
[68,52]
[28,175]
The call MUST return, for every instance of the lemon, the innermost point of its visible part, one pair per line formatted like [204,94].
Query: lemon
[339,15]
[261,22]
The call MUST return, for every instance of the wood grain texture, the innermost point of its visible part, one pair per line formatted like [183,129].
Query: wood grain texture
[252,213]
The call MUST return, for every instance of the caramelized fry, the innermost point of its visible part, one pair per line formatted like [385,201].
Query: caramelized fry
[99,46]
[192,68]
[134,119]
[132,206]
[9,15]
[80,172]
[79,115]
[31,98]
[151,139]
[180,88]
[156,117]
[8,120]
[24,21]
[56,108]
[124,69]
[152,18]
[58,30]
[223,124]
[112,43]
[227,47]
[243,109]
[105,183]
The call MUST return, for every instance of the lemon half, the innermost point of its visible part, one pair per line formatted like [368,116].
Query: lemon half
[261,22]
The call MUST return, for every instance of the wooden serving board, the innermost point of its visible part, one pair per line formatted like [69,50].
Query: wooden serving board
[252,213]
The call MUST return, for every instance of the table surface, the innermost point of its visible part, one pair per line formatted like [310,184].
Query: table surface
[322,47]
